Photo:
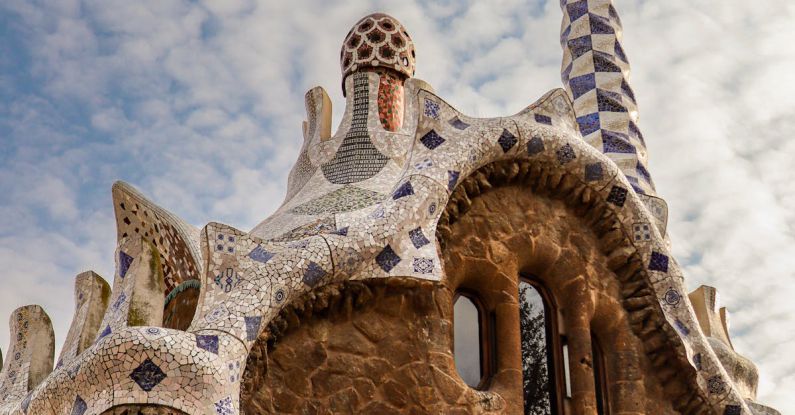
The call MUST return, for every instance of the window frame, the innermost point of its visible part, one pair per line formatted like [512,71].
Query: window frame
[486,337]
[555,341]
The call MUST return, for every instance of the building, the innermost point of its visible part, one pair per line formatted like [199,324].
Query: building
[423,261]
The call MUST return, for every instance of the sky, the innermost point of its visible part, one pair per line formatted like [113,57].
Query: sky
[199,105]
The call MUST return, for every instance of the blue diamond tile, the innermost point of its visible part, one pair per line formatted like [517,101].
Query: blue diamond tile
[581,84]
[124,263]
[608,101]
[452,179]
[147,375]
[658,262]
[617,196]
[613,142]
[600,25]
[507,140]
[535,146]
[577,9]
[457,123]
[252,327]
[565,154]
[404,190]
[418,238]
[431,140]
[588,123]
[259,254]
[602,62]
[79,407]
[543,119]
[580,46]
[313,274]
[387,259]
[593,172]
[207,342]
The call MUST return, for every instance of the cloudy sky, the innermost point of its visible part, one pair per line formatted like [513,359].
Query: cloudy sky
[199,104]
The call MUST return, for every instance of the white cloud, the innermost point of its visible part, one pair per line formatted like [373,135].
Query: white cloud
[199,104]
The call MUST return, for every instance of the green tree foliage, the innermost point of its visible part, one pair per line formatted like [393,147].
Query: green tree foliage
[534,354]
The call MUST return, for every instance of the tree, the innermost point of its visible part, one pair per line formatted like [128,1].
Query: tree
[534,353]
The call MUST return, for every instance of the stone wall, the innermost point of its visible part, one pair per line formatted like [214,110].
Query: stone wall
[389,355]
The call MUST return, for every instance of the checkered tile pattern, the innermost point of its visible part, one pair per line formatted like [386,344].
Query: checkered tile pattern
[595,71]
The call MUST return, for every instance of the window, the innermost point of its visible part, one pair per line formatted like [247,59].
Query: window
[541,351]
[600,378]
[469,333]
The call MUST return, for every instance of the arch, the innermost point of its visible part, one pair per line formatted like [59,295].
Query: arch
[648,345]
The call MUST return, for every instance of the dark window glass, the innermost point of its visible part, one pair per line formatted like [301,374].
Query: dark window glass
[466,336]
[600,378]
[536,358]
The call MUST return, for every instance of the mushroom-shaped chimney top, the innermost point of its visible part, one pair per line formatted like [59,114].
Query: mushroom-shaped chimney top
[377,41]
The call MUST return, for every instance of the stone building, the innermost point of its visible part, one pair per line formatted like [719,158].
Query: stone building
[423,261]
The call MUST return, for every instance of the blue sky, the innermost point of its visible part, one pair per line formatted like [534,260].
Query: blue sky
[199,105]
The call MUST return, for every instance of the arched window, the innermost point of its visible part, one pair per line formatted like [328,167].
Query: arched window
[470,332]
[542,351]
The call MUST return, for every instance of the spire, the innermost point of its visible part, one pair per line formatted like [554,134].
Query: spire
[595,71]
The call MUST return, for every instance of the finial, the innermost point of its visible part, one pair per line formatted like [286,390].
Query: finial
[377,41]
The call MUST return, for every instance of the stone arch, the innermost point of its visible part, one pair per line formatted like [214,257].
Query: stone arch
[514,217]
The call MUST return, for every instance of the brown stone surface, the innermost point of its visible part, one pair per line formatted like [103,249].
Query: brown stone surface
[383,357]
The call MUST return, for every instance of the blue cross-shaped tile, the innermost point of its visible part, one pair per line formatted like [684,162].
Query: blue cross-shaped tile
[507,140]
[658,262]
[387,259]
[207,342]
[431,140]
[418,238]
[147,375]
